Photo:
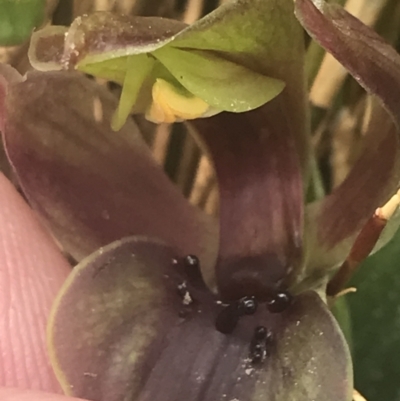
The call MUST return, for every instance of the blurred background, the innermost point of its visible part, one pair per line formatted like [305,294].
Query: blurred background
[340,108]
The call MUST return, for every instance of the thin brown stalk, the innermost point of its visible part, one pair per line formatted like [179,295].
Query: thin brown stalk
[363,245]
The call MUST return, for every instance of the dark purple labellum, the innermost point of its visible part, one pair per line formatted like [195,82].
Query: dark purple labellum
[280,302]
[191,265]
[227,319]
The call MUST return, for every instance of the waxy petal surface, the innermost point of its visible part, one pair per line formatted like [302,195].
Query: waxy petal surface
[91,185]
[120,330]
[260,157]
[376,66]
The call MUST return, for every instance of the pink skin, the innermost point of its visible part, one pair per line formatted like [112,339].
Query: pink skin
[32,270]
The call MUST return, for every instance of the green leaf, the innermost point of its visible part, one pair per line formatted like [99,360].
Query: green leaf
[18,18]
[375,317]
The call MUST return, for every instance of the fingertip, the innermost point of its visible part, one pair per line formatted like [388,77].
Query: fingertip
[11,394]
[32,269]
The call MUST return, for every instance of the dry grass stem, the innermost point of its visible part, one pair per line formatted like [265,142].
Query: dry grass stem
[193,11]
[127,6]
[347,140]
[83,7]
[358,397]
[212,203]
[161,142]
[203,182]
[104,5]
[332,74]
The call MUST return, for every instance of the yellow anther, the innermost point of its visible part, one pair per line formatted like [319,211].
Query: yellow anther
[170,105]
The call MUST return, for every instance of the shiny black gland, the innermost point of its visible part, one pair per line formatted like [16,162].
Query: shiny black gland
[280,302]
[228,318]
[247,306]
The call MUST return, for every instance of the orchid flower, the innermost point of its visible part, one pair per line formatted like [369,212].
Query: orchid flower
[168,303]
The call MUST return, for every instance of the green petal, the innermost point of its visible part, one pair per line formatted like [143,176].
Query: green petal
[137,69]
[222,84]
